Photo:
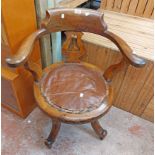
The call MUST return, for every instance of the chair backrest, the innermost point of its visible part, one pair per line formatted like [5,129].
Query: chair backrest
[142,8]
[73,48]
[85,20]
[63,19]
[77,20]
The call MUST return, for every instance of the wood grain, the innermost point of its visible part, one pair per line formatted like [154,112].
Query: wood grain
[54,23]
[8,95]
[132,7]
[145,94]
[70,3]
[132,87]
[127,26]
[142,8]
[19,20]
[125,6]
[133,82]
[103,4]
[3,35]
[117,5]
[149,111]
[149,8]
[152,15]
[16,13]
[23,100]
[110,4]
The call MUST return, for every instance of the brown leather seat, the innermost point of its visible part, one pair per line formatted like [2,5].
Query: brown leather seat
[74,87]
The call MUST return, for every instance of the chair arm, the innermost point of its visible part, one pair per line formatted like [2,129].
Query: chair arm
[25,49]
[125,50]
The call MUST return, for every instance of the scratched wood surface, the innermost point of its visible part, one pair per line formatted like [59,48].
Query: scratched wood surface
[143,8]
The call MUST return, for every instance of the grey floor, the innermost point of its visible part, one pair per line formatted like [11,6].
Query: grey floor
[127,135]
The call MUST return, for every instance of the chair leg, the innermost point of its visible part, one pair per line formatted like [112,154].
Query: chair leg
[98,129]
[53,134]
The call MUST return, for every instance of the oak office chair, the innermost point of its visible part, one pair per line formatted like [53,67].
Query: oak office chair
[73,91]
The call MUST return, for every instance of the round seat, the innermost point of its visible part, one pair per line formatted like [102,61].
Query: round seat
[77,89]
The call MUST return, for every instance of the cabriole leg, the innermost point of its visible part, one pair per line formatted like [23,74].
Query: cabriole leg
[98,129]
[53,134]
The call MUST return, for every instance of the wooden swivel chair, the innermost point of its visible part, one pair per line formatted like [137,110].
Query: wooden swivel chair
[73,91]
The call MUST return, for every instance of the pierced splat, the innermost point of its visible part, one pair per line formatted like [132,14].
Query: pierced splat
[73,47]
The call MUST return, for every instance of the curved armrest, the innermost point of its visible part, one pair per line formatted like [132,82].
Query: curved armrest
[125,50]
[25,49]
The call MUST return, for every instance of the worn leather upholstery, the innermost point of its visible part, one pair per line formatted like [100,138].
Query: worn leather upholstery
[73,87]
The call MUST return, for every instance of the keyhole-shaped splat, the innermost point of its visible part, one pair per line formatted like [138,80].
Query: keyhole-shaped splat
[73,47]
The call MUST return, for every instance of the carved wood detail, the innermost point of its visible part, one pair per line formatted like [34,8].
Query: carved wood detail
[73,47]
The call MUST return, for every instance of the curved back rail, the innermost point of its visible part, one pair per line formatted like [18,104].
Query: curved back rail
[78,19]
[85,20]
